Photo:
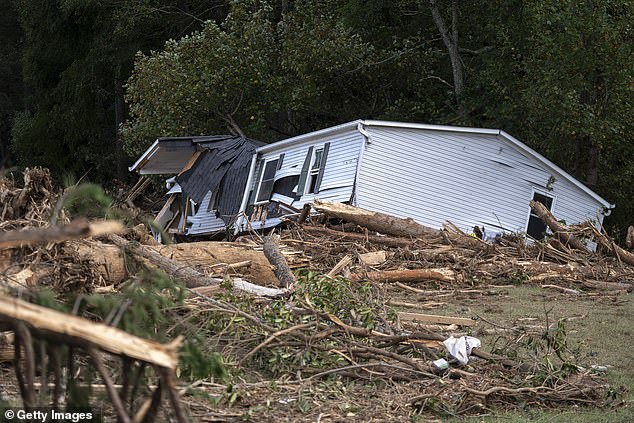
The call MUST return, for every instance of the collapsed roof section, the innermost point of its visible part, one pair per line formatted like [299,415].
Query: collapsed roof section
[211,175]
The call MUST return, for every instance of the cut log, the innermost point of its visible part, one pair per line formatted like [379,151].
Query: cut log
[75,230]
[208,257]
[432,318]
[105,259]
[53,324]
[191,277]
[608,286]
[373,258]
[374,221]
[412,275]
[278,261]
[560,230]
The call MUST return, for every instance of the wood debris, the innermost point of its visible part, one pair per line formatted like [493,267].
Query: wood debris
[312,303]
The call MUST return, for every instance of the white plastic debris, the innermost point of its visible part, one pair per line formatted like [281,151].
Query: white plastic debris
[441,364]
[460,348]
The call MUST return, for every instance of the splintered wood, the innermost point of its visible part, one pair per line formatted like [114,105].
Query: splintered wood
[62,326]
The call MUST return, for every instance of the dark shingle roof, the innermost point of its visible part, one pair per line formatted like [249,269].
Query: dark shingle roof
[223,164]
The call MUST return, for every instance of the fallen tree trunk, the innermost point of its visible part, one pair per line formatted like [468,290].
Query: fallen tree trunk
[433,318]
[560,230]
[278,261]
[75,230]
[191,277]
[357,237]
[61,326]
[609,245]
[213,256]
[411,275]
[374,221]
[209,257]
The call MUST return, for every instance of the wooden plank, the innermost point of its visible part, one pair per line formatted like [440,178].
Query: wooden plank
[432,318]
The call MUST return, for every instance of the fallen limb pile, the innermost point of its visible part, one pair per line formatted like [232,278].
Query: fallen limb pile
[330,324]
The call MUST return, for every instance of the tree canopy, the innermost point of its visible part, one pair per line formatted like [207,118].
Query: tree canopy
[557,74]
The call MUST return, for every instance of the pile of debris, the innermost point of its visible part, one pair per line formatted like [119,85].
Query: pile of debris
[301,315]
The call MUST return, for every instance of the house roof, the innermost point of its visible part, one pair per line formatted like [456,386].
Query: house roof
[360,124]
[169,155]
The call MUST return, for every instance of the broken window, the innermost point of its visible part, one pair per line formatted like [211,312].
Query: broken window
[265,186]
[536,229]
[313,170]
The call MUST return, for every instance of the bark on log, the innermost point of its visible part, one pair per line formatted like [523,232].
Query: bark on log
[608,286]
[209,257]
[561,231]
[623,255]
[374,221]
[412,275]
[278,261]
[629,239]
[73,329]
[75,230]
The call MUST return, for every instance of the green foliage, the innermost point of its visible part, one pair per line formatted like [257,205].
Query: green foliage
[88,200]
[556,74]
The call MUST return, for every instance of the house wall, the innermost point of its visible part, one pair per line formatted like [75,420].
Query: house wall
[205,222]
[339,173]
[467,178]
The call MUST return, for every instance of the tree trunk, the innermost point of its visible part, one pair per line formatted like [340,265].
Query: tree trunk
[410,275]
[191,277]
[119,118]
[278,261]
[558,229]
[451,43]
[374,221]
[71,328]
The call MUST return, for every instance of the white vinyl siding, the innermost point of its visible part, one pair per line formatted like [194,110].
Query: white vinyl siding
[340,171]
[205,222]
[470,179]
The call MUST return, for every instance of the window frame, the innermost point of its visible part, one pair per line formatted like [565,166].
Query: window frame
[313,174]
[530,213]
[257,192]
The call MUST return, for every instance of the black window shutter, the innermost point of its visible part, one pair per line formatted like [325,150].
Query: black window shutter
[304,175]
[256,182]
[280,161]
[322,166]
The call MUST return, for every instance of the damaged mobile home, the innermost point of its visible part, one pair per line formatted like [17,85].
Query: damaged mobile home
[470,176]
[204,196]
[432,173]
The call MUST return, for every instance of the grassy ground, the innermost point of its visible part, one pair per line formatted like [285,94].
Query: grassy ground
[604,335]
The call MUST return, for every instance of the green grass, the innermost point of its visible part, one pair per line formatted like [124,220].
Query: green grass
[605,337]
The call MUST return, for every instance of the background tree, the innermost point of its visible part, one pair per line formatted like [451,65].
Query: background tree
[76,56]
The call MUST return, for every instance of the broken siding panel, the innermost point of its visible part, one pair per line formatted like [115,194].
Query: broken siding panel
[470,179]
[205,222]
[339,173]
